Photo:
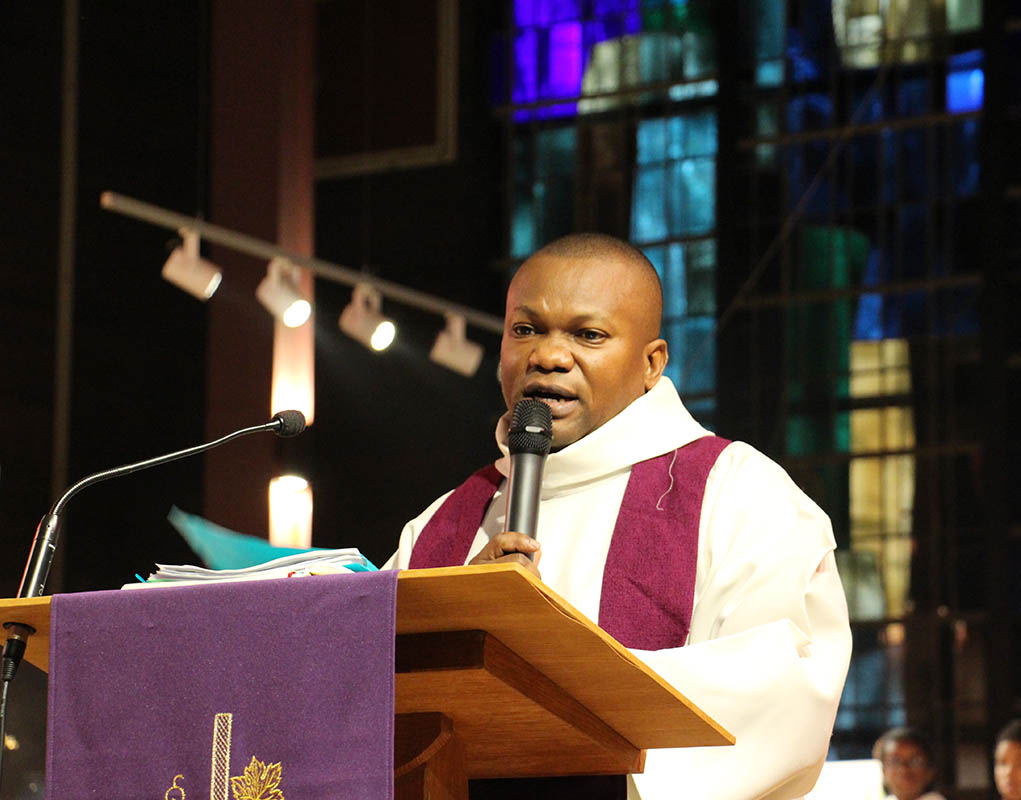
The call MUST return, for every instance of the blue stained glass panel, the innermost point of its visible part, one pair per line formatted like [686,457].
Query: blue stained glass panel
[525,12]
[526,63]
[648,213]
[769,73]
[604,7]
[555,152]
[522,226]
[809,112]
[675,302]
[888,150]
[652,141]
[563,9]
[804,63]
[699,134]
[873,694]
[693,196]
[769,33]
[767,123]
[913,97]
[965,82]
[868,106]
[914,147]
[700,276]
[964,169]
[695,354]
[868,319]
[669,263]
[674,138]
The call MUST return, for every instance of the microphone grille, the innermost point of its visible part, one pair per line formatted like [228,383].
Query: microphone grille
[291,423]
[531,428]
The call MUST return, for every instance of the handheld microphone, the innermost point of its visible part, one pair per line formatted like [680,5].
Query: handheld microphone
[529,439]
[283,423]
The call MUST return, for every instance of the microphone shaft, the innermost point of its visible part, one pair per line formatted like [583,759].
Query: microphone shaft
[127,469]
[523,486]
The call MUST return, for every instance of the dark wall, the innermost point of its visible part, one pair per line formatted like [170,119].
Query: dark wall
[138,345]
[137,356]
[392,431]
[30,75]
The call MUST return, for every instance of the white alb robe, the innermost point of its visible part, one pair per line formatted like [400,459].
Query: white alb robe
[769,643]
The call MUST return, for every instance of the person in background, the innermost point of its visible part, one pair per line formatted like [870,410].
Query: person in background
[1007,761]
[908,768]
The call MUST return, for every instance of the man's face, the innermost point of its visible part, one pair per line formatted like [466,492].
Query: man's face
[577,337]
[906,770]
[1007,770]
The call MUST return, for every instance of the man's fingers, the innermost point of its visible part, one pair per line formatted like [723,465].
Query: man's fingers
[511,542]
[510,546]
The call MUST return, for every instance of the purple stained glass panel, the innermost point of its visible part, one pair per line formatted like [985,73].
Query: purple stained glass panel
[565,60]
[553,44]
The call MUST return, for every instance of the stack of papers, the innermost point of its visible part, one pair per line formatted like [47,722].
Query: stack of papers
[313,562]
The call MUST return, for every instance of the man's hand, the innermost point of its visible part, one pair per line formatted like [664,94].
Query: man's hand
[509,546]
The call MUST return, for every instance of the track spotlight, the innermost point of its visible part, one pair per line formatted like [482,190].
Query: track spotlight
[279,293]
[362,319]
[186,270]
[453,350]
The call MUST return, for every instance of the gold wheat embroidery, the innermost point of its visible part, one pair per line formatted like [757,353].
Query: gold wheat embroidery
[259,782]
[221,757]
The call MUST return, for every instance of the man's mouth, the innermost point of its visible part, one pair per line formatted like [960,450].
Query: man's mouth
[560,401]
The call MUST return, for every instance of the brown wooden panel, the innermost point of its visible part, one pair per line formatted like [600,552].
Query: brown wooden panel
[34,611]
[560,643]
[494,697]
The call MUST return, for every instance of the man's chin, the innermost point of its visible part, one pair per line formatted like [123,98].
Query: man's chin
[564,435]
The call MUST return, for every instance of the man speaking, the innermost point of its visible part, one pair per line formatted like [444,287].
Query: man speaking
[699,554]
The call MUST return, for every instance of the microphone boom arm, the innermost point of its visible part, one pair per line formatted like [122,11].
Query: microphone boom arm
[44,545]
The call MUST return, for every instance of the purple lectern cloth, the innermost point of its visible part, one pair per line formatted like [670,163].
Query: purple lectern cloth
[142,681]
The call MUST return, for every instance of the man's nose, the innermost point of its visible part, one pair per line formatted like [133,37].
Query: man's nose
[552,353]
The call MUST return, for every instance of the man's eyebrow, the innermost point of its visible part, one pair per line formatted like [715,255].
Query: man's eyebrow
[582,318]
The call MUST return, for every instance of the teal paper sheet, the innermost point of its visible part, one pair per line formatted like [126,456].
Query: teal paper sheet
[222,548]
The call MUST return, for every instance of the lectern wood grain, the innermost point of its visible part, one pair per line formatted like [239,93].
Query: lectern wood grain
[559,642]
[514,720]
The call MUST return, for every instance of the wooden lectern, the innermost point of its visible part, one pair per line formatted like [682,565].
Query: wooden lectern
[497,676]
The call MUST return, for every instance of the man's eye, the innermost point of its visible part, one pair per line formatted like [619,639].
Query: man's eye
[592,336]
[523,330]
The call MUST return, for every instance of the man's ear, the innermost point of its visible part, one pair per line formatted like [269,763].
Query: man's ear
[656,356]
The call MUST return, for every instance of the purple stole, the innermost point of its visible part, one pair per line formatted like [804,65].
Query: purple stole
[649,578]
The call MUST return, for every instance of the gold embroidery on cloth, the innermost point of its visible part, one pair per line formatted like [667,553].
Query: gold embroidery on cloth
[259,782]
[175,787]
[221,757]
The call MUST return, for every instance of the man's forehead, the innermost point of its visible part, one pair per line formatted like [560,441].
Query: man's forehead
[592,276]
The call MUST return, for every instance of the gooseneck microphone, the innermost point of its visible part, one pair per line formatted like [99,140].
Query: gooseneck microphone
[529,439]
[283,423]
